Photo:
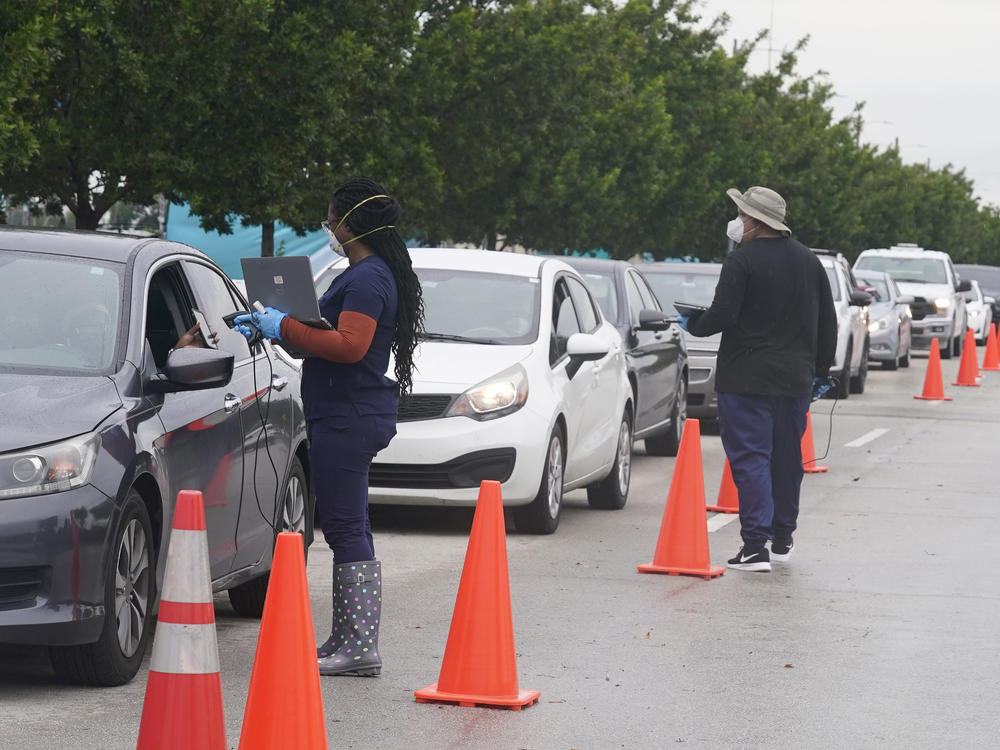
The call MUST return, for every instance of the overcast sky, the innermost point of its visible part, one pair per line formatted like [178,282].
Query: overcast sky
[926,69]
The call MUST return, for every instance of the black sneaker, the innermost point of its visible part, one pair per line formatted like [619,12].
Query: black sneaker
[754,560]
[781,551]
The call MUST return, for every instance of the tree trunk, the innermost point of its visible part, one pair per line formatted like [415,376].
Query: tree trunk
[267,239]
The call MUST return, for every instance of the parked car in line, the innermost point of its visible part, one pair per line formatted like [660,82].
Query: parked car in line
[519,379]
[105,421]
[691,282]
[850,364]
[889,329]
[989,281]
[929,276]
[980,312]
[655,353]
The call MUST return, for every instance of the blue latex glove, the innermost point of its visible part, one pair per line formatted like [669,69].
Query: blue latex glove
[820,387]
[682,321]
[269,323]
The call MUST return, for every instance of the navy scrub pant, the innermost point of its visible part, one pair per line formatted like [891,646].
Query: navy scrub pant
[762,437]
[341,450]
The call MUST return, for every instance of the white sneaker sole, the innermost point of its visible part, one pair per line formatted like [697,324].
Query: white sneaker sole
[778,557]
[756,567]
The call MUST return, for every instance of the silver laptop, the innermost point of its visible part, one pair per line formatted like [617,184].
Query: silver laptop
[284,283]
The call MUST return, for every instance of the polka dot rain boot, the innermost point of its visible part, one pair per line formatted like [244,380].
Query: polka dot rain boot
[352,648]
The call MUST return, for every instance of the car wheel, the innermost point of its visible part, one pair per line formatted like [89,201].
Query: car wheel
[297,516]
[842,389]
[669,443]
[957,346]
[904,361]
[541,516]
[611,493]
[115,657]
[858,381]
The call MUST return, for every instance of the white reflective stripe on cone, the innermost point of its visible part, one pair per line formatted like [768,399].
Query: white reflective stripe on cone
[184,649]
[187,577]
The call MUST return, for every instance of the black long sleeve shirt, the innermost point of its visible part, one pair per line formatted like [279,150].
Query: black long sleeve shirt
[774,308]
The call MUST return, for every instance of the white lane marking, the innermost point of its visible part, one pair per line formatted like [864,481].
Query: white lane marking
[719,520]
[866,438]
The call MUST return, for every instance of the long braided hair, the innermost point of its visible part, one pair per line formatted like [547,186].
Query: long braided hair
[388,244]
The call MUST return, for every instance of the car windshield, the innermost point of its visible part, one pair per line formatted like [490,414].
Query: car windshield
[602,287]
[477,307]
[881,292]
[831,276]
[682,286]
[60,314]
[914,270]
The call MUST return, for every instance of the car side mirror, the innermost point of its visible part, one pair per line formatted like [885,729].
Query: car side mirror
[192,369]
[860,299]
[990,300]
[963,286]
[654,320]
[584,347]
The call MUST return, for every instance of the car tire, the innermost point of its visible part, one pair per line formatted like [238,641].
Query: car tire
[116,656]
[858,381]
[296,515]
[611,493]
[842,389]
[669,442]
[541,515]
[904,361]
[957,346]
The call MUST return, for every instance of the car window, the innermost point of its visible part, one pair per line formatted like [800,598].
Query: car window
[881,291]
[683,286]
[564,321]
[635,303]
[974,294]
[831,275]
[60,314]
[915,270]
[496,307]
[602,287]
[584,304]
[649,301]
[214,298]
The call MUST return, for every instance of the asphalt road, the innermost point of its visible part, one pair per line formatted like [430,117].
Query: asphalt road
[880,633]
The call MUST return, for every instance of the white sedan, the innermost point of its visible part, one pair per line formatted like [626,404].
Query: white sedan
[518,379]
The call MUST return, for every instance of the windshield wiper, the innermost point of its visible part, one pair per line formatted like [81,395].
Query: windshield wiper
[453,337]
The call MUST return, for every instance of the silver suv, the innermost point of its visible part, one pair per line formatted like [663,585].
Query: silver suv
[939,305]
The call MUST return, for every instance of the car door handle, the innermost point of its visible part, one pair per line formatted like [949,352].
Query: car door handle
[278,382]
[231,403]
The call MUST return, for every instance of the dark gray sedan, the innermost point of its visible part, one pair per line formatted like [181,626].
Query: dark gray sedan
[691,282]
[105,420]
[654,349]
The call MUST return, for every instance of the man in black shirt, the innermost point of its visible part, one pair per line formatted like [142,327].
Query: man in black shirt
[774,308]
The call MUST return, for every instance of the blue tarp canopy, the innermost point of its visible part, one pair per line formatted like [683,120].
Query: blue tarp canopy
[244,242]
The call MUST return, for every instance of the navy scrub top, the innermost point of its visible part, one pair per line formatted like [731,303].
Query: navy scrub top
[360,388]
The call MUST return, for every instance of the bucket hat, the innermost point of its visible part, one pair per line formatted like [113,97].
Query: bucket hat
[761,203]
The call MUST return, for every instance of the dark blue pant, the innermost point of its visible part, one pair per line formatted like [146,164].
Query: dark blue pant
[341,450]
[762,436]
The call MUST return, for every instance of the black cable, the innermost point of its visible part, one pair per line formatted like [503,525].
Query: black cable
[829,434]
[264,415]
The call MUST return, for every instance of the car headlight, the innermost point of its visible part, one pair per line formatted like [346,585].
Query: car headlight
[878,325]
[942,304]
[50,468]
[497,396]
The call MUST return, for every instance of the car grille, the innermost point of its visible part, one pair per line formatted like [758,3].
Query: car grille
[418,406]
[20,587]
[921,308]
[465,471]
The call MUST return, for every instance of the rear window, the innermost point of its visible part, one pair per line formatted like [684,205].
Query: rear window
[912,270]
[682,286]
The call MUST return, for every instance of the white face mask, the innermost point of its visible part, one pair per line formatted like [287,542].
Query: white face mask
[337,247]
[734,230]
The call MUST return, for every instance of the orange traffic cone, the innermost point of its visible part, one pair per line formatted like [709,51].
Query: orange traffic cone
[479,665]
[933,385]
[729,498]
[682,547]
[968,368]
[809,465]
[991,359]
[284,706]
[183,704]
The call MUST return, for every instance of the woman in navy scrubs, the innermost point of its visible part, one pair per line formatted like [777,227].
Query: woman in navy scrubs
[350,404]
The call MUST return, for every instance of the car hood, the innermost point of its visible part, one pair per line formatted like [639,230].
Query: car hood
[447,367]
[878,309]
[929,292]
[40,409]
[702,343]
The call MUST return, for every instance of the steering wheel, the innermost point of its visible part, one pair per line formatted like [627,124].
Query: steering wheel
[485,332]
